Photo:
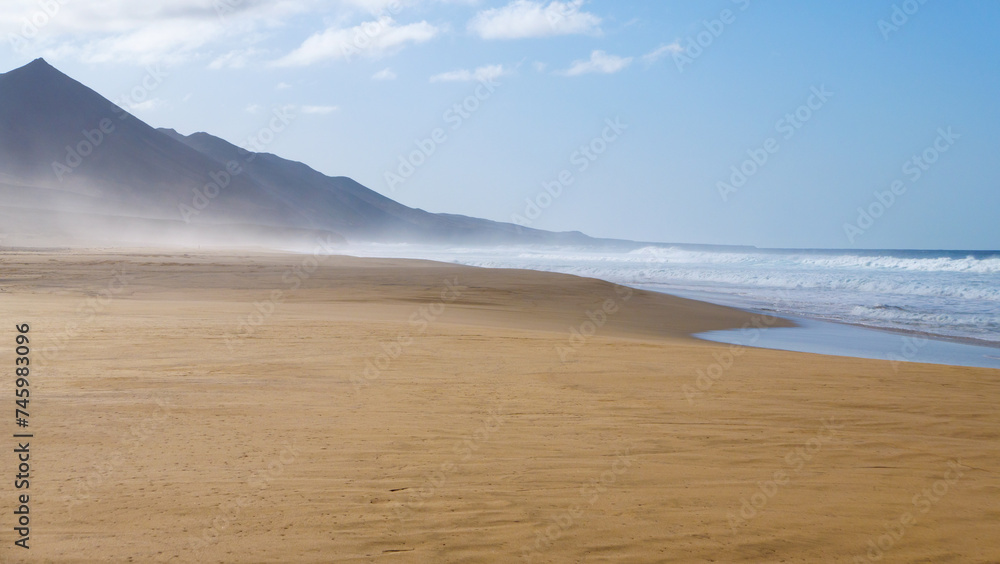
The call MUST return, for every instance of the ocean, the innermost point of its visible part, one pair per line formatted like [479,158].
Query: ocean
[950,294]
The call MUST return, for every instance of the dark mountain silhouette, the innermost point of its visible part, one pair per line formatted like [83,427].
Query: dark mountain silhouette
[70,157]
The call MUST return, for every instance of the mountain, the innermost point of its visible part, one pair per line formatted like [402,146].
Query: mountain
[75,166]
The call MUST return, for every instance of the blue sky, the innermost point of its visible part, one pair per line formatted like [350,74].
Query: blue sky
[840,97]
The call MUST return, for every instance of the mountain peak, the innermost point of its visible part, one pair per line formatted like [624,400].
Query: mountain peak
[35,78]
[38,66]
[39,62]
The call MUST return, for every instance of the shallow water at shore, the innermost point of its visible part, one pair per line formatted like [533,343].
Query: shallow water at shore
[838,339]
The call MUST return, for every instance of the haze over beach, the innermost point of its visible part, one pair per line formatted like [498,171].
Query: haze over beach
[499,281]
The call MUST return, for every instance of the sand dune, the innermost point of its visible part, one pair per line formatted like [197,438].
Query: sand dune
[255,407]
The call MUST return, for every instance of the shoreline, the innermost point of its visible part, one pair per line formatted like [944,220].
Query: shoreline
[808,336]
[700,296]
[584,265]
[851,341]
[375,408]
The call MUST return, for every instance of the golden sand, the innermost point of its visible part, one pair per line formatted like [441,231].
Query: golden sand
[253,407]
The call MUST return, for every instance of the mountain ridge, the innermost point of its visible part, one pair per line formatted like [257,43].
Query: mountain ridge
[66,148]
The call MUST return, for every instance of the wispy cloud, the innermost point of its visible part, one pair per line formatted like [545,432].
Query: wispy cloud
[482,74]
[599,62]
[527,18]
[320,110]
[125,31]
[375,6]
[662,51]
[170,42]
[313,110]
[235,59]
[393,7]
[371,39]
[148,105]
[384,74]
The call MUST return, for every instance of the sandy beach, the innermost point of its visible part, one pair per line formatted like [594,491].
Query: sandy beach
[262,407]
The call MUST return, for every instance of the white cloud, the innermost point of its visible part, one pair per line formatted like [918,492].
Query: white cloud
[282,86]
[168,43]
[220,33]
[321,110]
[372,39]
[376,6]
[528,18]
[482,74]
[384,74]
[125,31]
[394,7]
[235,59]
[599,62]
[539,66]
[314,110]
[148,105]
[662,51]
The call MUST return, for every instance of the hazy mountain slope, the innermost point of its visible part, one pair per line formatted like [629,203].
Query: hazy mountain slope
[353,209]
[66,148]
[51,137]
